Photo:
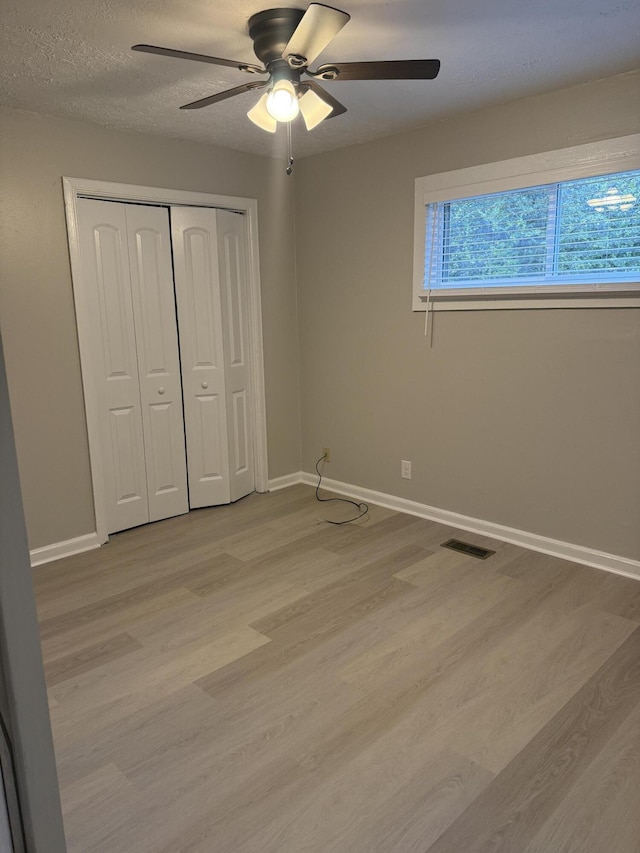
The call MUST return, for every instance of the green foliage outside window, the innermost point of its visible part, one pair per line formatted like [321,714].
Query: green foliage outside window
[606,239]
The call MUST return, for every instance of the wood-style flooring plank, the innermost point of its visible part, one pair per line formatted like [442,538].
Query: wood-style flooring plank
[301,626]
[515,805]
[161,730]
[97,698]
[73,637]
[403,802]
[490,710]
[98,810]
[219,567]
[86,659]
[317,607]
[601,810]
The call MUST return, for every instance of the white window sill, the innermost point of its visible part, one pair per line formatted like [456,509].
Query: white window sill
[487,303]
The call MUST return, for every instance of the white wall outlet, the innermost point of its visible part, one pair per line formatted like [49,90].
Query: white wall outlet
[326,452]
[405,469]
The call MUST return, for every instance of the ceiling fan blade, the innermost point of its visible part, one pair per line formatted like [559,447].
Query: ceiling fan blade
[401,69]
[199,57]
[337,107]
[222,96]
[319,25]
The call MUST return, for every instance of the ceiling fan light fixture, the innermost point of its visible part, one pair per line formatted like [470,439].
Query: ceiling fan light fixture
[260,116]
[282,101]
[313,109]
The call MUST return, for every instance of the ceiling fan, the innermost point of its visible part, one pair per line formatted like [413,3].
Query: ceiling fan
[287,41]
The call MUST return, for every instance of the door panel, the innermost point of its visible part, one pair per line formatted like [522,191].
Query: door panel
[158,361]
[161,458]
[239,444]
[197,287]
[128,470]
[105,266]
[233,280]
[209,446]
[200,260]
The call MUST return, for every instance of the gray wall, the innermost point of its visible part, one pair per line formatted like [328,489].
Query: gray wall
[36,300]
[525,418]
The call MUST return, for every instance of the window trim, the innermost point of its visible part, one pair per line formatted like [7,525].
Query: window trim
[621,154]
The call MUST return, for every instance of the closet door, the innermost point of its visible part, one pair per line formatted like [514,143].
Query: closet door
[233,292]
[210,278]
[105,270]
[197,283]
[126,261]
[154,312]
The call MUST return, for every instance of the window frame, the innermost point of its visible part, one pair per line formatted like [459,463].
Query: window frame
[621,154]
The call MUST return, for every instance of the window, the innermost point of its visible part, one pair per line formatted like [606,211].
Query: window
[570,232]
[515,241]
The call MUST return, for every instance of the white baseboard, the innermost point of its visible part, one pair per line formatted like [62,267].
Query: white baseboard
[57,550]
[287,480]
[555,547]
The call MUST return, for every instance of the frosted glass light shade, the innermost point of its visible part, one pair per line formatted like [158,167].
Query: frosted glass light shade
[260,115]
[282,102]
[313,109]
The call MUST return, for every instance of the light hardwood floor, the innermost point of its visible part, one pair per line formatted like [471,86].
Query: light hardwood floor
[248,680]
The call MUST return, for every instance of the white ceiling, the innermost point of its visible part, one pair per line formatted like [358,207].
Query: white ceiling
[72,58]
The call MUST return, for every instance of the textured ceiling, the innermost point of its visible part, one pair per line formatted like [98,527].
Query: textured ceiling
[72,58]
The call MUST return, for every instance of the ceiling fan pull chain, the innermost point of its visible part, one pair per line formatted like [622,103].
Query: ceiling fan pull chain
[289,169]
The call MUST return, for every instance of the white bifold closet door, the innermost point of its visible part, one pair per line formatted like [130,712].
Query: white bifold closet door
[169,403]
[211,294]
[126,263]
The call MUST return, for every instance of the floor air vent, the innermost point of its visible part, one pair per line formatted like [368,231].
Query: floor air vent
[466,548]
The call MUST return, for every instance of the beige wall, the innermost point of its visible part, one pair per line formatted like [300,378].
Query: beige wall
[525,418]
[36,300]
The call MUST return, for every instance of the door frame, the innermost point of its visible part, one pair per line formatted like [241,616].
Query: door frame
[74,188]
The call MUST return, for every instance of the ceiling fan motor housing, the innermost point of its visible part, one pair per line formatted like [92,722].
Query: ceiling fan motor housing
[270,32]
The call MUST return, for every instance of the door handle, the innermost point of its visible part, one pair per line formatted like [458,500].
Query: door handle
[205,384]
[161,390]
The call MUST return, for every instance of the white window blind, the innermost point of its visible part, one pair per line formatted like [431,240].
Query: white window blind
[572,235]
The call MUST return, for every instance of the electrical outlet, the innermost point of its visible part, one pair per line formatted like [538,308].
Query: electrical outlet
[326,452]
[405,469]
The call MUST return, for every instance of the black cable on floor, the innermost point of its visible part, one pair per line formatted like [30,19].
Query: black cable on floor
[358,504]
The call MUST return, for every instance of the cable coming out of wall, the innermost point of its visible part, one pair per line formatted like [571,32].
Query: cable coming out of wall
[361,506]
